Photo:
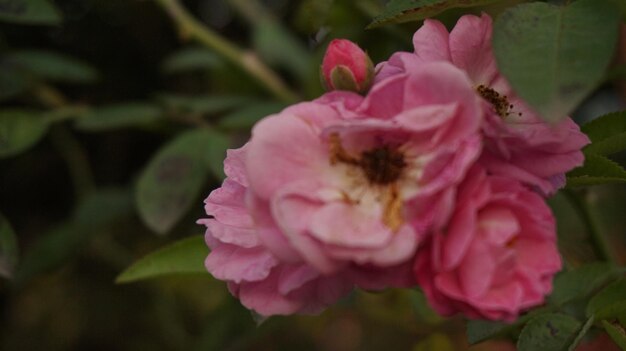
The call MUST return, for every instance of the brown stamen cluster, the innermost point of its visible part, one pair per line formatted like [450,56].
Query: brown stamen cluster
[382,165]
[499,102]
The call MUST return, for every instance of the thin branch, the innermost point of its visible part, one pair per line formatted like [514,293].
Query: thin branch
[191,28]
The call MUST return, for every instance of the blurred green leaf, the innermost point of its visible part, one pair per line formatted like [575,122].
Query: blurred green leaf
[480,330]
[312,14]
[581,281]
[551,54]
[53,66]
[190,59]
[12,80]
[104,206]
[8,248]
[607,134]
[616,332]
[122,115]
[49,251]
[596,170]
[204,105]
[247,116]
[610,302]
[439,342]
[279,47]
[19,130]
[182,257]
[400,11]
[548,332]
[174,177]
[29,12]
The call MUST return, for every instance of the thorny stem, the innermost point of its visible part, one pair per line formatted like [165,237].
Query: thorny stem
[598,242]
[191,28]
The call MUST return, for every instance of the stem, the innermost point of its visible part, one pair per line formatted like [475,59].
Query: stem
[598,242]
[189,27]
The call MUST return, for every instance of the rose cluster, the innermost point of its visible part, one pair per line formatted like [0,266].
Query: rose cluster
[436,178]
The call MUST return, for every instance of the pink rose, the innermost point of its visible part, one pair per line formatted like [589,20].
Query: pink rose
[339,192]
[518,143]
[346,67]
[498,254]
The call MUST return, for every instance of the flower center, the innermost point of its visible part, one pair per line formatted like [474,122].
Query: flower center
[381,165]
[499,102]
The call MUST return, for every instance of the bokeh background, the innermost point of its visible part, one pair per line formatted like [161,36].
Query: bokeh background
[71,197]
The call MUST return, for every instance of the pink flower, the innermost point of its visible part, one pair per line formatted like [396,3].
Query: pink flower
[339,192]
[518,143]
[498,255]
[346,67]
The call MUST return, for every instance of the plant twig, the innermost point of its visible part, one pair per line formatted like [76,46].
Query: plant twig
[598,242]
[189,27]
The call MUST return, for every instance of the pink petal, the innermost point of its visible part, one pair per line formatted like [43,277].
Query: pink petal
[498,225]
[244,237]
[234,166]
[431,42]
[470,48]
[230,262]
[345,225]
[286,143]
[477,269]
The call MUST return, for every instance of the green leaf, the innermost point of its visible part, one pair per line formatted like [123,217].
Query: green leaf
[596,170]
[481,330]
[617,332]
[117,116]
[182,257]
[581,334]
[204,105]
[103,207]
[610,302]
[551,54]
[54,66]
[8,248]
[12,80]
[277,46]
[607,134]
[190,59]
[19,130]
[29,12]
[581,281]
[400,11]
[246,117]
[173,178]
[548,332]
[50,250]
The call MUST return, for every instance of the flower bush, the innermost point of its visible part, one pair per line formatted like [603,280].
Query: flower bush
[454,179]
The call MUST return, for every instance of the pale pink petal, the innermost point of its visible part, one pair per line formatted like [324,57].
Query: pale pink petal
[230,262]
[431,42]
[470,48]
[286,143]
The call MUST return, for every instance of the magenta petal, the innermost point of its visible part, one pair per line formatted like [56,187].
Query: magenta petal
[498,225]
[476,270]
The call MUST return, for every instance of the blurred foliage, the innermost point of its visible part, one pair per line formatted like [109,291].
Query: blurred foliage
[113,127]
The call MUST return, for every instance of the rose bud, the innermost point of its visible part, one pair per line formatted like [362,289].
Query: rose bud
[346,67]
